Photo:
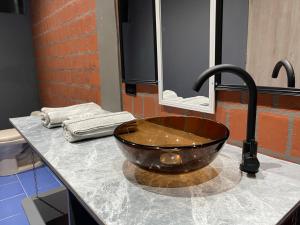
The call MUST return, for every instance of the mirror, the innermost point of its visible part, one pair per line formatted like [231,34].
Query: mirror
[264,33]
[185,48]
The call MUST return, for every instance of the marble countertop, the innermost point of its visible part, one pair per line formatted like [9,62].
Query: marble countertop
[118,193]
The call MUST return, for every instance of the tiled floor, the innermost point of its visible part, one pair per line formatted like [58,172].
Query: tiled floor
[14,188]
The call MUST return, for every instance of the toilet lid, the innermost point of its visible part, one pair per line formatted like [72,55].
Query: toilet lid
[9,135]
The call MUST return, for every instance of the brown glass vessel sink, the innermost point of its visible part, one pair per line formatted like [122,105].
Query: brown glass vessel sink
[172,144]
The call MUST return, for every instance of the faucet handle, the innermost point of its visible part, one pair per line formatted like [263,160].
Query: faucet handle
[250,163]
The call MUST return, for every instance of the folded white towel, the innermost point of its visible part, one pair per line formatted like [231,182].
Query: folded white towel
[53,117]
[177,99]
[95,126]
[197,100]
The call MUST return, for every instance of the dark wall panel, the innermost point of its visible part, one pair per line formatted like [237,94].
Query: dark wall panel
[235,31]
[138,40]
[18,86]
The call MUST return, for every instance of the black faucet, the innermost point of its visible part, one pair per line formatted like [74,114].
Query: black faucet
[289,71]
[250,163]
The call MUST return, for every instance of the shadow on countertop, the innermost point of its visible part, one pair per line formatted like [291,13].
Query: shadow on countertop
[210,180]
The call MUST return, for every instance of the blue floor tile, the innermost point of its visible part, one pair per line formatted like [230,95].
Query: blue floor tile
[11,206]
[20,219]
[12,193]
[48,187]
[45,181]
[56,178]
[8,179]
[10,190]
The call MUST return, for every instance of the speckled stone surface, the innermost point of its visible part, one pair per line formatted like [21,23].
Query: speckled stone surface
[118,193]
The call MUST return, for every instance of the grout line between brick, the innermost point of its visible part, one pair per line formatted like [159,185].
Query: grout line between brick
[68,38]
[290,135]
[275,101]
[260,108]
[70,55]
[242,97]
[74,70]
[133,104]
[54,12]
[143,108]
[227,119]
[270,153]
[236,143]
[293,159]
[73,20]
[278,155]
[67,84]
[256,128]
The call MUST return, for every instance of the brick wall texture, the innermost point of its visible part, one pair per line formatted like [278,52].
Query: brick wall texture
[66,51]
[277,125]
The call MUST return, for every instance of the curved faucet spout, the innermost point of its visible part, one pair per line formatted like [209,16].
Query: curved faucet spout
[245,76]
[250,163]
[289,71]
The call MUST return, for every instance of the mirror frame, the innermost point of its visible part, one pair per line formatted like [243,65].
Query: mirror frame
[218,80]
[212,57]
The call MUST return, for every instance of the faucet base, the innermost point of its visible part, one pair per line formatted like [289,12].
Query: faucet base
[250,163]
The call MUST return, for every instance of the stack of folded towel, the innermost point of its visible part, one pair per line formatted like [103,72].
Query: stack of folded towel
[171,95]
[94,126]
[168,94]
[197,100]
[53,117]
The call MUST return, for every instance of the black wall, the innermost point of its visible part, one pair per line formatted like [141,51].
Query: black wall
[234,41]
[138,41]
[18,85]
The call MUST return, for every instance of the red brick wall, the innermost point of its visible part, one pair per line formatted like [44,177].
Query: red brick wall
[66,51]
[278,118]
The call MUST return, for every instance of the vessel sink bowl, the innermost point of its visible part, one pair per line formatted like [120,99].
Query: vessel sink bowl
[172,144]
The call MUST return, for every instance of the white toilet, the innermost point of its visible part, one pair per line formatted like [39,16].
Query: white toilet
[15,153]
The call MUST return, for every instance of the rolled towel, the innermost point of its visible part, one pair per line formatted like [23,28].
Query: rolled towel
[53,117]
[94,126]
[169,94]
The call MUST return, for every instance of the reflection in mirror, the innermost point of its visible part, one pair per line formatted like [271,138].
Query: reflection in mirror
[186,36]
[266,32]
[289,72]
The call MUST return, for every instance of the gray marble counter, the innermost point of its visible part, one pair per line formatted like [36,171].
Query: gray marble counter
[118,193]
